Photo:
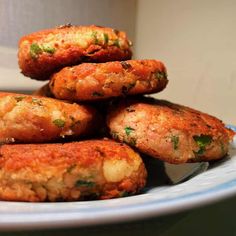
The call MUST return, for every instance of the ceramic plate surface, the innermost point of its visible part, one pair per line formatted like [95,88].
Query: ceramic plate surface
[218,182]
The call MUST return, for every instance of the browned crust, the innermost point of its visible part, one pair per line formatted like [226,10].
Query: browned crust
[70,45]
[90,81]
[71,171]
[25,118]
[168,131]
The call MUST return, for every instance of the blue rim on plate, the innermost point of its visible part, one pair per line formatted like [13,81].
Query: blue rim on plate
[205,188]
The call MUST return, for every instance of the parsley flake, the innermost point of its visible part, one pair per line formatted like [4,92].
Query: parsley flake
[124,194]
[84,183]
[59,123]
[97,94]
[48,49]
[125,89]
[175,141]
[35,50]
[37,101]
[222,148]
[95,38]
[106,38]
[161,75]
[116,43]
[132,141]
[128,130]
[202,141]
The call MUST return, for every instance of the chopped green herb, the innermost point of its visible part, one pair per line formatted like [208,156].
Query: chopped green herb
[200,151]
[74,122]
[126,89]
[124,194]
[175,141]
[84,183]
[161,75]
[37,101]
[222,147]
[92,196]
[202,141]
[128,130]
[106,38]
[132,141]
[59,123]
[19,98]
[116,43]
[48,49]
[97,94]
[35,50]
[95,38]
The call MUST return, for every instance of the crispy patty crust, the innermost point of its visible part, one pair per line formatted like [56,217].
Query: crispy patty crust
[90,81]
[170,132]
[98,169]
[31,119]
[44,52]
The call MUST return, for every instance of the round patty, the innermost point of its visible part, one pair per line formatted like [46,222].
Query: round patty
[98,169]
[44,52]
[170,132]
[90,81]
[44,91]
[30,119]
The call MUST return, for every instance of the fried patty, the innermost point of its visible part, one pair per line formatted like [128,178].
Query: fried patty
[170,132]
[31,119]
[90,81]
[44,52]
[97,169]
[44,91]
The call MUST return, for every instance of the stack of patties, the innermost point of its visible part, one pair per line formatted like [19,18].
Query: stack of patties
[88,66]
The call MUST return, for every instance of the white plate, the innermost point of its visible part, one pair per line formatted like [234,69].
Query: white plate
[216,183]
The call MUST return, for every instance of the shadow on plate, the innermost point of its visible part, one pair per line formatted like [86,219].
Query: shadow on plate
[164,174]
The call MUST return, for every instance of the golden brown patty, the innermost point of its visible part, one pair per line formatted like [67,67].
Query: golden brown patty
[44,91]
[25,118]
[91,81]
[44,52]
[170,132]
[99,169]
